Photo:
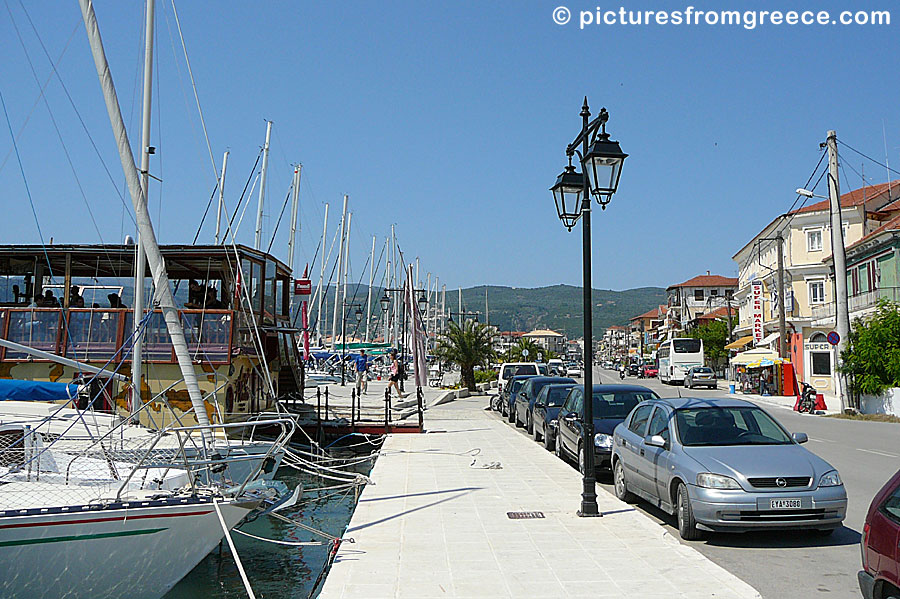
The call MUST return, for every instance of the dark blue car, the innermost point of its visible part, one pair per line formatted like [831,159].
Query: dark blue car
[524,400]
[612,404]
[508,395]
[545,410]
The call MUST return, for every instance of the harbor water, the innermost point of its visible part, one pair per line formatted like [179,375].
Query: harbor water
[281,571]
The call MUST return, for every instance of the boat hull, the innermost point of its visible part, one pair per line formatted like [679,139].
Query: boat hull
[139,550]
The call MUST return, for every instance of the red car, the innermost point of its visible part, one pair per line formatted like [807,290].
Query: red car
[880,576]
[649,371]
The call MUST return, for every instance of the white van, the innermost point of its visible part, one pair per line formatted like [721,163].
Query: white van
[511,369]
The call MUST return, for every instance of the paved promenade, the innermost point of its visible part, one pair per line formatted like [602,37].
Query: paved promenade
[435,524]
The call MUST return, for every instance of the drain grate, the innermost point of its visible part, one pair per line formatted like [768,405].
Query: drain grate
[524,515]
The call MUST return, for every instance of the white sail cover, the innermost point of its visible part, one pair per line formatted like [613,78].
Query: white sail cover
[417,331]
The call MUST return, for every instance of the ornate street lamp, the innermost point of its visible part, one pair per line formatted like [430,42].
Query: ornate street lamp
[359,314]
[567,194]
[601,161]
[385,301]
[423,302]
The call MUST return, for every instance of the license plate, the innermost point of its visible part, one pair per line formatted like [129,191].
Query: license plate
[784,504]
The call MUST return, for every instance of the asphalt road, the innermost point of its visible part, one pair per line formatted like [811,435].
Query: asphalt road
[785,565]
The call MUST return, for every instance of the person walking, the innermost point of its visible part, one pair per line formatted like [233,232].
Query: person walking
[362,376]
[394,379]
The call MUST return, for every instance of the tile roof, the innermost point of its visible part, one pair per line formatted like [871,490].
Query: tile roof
[654,313]
[891,225]
[708,281]
[855,197]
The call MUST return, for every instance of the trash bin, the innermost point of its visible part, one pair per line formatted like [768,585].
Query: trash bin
[731,388]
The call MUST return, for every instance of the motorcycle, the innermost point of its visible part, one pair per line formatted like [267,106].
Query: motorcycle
[622,374]
[807,400]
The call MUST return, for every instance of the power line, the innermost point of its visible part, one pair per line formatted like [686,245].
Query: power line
[849,147]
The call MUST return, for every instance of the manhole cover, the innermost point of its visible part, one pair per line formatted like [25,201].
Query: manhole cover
[524,515]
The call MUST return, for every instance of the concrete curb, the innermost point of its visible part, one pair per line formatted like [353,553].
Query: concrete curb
[445,397]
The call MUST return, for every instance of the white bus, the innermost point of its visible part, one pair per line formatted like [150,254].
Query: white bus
[676,357]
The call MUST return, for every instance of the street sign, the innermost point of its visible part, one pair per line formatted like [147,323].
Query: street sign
[525,353]
[833,338]
[540,357]
[302,287]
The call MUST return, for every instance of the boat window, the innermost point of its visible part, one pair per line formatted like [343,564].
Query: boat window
[280,299]
[93,334]
[34,328]
[269,305]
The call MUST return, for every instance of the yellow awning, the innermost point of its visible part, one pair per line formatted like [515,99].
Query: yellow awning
[754,355]
[740,342]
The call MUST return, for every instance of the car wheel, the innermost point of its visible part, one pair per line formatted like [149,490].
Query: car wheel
[535,432]
[549,442]
[621,488]
[687,526]
[529,425]
[559,450]
[512,415]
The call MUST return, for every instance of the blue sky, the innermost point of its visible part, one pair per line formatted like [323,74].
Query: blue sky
[450,119]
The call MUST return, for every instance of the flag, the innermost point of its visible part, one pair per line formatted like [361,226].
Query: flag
[417,331]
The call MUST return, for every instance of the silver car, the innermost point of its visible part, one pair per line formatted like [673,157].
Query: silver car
[724,465]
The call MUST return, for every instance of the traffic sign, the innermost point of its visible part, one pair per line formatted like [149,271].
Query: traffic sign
[834,338]
[525,353]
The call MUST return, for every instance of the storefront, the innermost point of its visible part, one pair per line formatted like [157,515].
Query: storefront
[761,371]
[818,362]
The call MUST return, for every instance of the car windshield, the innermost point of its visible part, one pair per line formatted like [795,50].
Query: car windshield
[618,405]
[512,370]
[556,396]
[686,346]
[728,426]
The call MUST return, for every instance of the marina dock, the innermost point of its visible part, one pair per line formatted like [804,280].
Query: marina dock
[472,508]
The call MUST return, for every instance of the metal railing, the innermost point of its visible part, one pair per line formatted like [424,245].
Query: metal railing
[858,302]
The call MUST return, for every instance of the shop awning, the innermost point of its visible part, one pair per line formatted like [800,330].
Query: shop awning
[740,342]
[769,339]
[754,355]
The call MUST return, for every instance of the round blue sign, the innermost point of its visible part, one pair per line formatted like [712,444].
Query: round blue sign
[834,338]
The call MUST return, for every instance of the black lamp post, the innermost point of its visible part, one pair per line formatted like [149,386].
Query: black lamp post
[601,163]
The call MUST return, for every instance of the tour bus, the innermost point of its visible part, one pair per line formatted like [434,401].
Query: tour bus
[676,357]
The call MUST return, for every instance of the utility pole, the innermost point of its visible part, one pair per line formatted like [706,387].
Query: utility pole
[782,328]
[842,311]
[262,185]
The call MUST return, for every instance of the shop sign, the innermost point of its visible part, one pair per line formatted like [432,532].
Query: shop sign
[756,310]
[818,347]
[302,287]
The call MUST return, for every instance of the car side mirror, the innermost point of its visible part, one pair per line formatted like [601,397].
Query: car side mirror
[571,416]
[800,437]
[655,441]
[538,404]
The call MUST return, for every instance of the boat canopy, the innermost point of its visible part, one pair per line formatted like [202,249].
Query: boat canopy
[16,390]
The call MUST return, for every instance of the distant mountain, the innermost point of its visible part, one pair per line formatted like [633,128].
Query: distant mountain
[558,307]
[519,309]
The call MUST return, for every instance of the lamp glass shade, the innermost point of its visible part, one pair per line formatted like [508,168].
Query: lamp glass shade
[385,300]
[567,194]
[603,165]
[359,314]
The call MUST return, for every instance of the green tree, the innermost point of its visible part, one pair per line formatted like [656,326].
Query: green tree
[516,352]
[871,359]
[468,345]
[715,336]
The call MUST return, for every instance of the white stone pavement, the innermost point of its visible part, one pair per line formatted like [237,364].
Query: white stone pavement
[435,524]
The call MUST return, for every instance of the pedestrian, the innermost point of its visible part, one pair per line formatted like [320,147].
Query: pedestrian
[362,378]
[394,379]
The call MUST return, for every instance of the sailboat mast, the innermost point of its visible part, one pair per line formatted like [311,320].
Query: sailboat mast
[142,215]
[321,292]
[340,273]
[346,275]
[295,205]
[140,259]
[369,295]
[262,185]
[221,197]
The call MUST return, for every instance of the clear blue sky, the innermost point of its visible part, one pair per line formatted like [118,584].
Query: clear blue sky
[450,119]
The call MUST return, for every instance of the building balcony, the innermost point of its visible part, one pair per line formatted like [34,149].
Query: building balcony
[859,304]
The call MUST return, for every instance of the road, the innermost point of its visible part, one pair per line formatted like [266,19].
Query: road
[795,564]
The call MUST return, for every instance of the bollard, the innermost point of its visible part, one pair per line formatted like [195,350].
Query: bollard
[353,408]
[318,413]
[326,405]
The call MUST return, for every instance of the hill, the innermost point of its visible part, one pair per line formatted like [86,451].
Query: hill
[558,307]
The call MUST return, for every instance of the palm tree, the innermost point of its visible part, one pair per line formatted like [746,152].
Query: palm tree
[516,352]
[469,345]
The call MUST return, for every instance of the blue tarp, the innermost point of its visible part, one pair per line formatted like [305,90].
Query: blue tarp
[16,390]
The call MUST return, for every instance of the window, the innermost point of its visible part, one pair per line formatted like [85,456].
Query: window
[814,240]
[639,419]
[821,363]
[686,346]
[618,405]
[729,293]
[863,276]
[698,295]
[713,293]
[817,292]
[891,506]
[659,424]
[818,338]
[578,403]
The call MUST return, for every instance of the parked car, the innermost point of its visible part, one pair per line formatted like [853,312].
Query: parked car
[524,400]
[511,369]
[612,403]
[509,393]
[557,367]
[700,376]
[725,465]
[634,369]
[574,369]
[546,408]
[650,370]
[880,574]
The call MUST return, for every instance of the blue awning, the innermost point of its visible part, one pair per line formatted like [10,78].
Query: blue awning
[16,390]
